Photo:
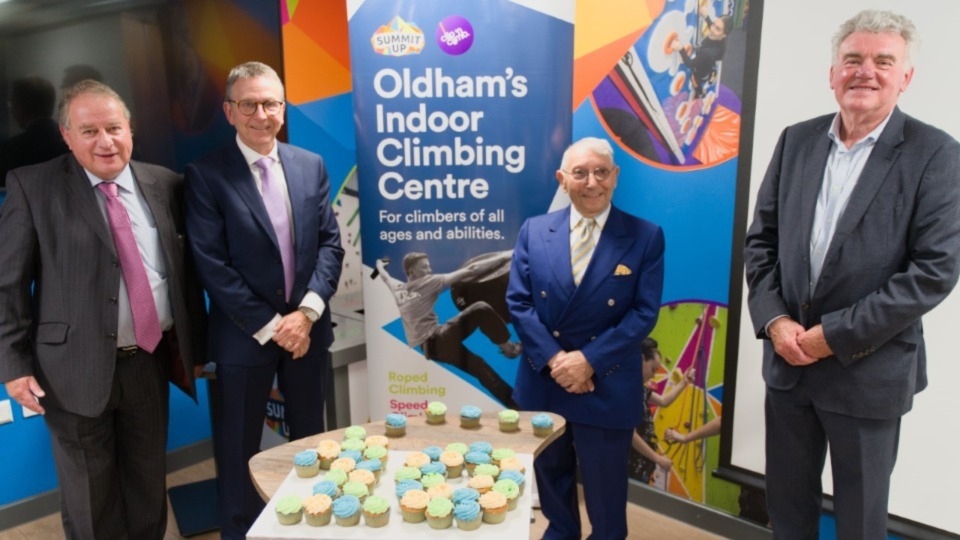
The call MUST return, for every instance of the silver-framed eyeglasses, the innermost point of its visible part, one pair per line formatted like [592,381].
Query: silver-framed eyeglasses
[599,174]
[249,108]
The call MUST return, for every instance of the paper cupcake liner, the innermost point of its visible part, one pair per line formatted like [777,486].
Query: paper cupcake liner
[319,520]
[436,419]
[470,525]
[393,431]
[376,520]
[469,423]
[440,522]
[348,521]
[542,431]
[509,427]
[290,519]
[494,516]
[455,471]
[308,471]
[413,516]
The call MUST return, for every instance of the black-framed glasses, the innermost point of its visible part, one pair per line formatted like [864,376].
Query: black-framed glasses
[249,108]
[599,174]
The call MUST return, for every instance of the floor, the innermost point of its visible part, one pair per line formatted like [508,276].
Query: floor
[642,523]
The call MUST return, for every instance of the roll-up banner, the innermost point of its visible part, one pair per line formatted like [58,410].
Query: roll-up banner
[462,111]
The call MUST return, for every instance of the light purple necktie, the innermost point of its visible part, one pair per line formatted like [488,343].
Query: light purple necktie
[274,200]
[146,323]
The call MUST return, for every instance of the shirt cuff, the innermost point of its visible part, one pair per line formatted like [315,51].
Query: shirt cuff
[266,333]
[313,301]
[766,327]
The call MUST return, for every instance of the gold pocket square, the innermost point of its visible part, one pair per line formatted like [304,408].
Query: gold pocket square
[622,271]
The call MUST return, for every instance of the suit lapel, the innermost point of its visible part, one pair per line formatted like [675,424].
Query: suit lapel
[882,158]
[238,175]
[814,163]
[159,208]
[610,248]
[81,193]
[297,191]
[556,243]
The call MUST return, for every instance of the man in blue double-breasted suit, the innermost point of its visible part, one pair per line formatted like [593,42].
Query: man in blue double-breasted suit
[585,285]
[268,254]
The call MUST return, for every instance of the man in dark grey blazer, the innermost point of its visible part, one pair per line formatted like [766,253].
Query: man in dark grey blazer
[855,236]
[87,337]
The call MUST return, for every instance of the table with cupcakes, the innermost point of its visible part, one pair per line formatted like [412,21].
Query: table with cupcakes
[440,474]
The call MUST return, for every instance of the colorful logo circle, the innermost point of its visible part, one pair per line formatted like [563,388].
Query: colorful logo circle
[454,35]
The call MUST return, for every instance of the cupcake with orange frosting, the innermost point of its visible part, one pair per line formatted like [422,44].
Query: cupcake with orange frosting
[328,450]
[413,505]
[494,506]
[345,464]
[481,482]
[453,462]
[416,459]
[318,509]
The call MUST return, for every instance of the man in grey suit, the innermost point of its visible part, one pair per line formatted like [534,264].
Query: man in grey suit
[855,236]
[86,335]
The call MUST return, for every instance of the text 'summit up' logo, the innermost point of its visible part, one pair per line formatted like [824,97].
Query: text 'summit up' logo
[454,35]
[399,38]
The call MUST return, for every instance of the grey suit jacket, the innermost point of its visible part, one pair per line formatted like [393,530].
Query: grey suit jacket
[895,255]
[60,278]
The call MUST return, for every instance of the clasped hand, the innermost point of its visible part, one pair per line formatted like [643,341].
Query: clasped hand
[572,371]
[293,333]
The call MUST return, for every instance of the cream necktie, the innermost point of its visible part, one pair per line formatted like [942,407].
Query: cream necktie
[582,248]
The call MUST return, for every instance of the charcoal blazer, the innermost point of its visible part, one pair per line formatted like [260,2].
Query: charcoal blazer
[894,256]
[60,278]
[606,317]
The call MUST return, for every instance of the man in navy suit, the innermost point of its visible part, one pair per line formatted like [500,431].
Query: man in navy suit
[582,323]
[268,254]
[855,236]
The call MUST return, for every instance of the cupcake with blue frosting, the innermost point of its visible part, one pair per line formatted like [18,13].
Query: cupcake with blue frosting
[306,463]
[396,425]
[470,417]
[346,510]
[542,425]
[468,515]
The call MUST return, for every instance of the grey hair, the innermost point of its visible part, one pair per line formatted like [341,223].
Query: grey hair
[877,22]
[82,88]
[598,146]
[250,70]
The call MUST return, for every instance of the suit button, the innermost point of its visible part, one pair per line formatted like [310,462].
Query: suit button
[112,337]
[113,300]
[593,338]
[543,294]
[556,334]
[279,292]
[805,306]
[611,302]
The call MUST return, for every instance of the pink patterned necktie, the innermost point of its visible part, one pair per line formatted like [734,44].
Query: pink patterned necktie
[146,323]
[276,204]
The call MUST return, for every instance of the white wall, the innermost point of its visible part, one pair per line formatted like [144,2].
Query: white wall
[793,86]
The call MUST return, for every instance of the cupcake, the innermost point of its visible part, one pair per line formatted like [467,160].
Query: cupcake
[436,413]
[407,473]
[481,482]
[434,467]
[511,463]
[516,476]
[468,515]
[542,425]
[509,420]
[306,464]
[395,425]
[337,476]
[481,446]
[501,453]
[328,451]
[318,509]
[494,506]
[345,464]
[376,511]
[328,488]
[289,510]
[404,486]
[433,452]
[442,489]
[473,459]
[363,476]
[346,511]
[356,489]
[354,432]
[413,505]
[465,494]
[355,455]
[375,466]
[432,479]
[416,459]
[353,444]
[453,462]
[457,447]
[488,469]
[510,490]
[470,417]
[377,440]
[439,513]
[378,453]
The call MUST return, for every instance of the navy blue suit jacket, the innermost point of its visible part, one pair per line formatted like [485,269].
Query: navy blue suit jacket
[238,257]
[606,317]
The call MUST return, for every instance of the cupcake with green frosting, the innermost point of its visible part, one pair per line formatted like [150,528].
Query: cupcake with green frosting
[510,490]
[436,413]
[354,432]
[407,473]
[509,420]
[488,469]
[458,447]
[439,513]
[376,511]
[499,454]
[516,476]
[355,488]
[378,453]
[346,510]
[337,476]
[353,444]
[289,510]
[432,479]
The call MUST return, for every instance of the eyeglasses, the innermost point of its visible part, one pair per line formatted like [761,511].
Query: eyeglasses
[580,175]
[249,108]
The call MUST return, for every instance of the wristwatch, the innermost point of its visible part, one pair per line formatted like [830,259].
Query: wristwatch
[311,314]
